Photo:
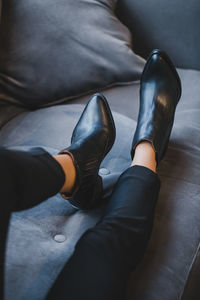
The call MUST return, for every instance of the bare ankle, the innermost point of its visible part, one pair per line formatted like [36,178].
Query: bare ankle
[145,156]
[67,164]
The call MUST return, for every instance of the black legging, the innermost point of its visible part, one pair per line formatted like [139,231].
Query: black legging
[105,254]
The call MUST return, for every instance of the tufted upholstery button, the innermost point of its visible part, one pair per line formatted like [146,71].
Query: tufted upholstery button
[104,171]
[59,238]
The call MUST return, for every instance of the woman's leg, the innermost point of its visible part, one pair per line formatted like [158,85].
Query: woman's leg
[105,254]
[26,179]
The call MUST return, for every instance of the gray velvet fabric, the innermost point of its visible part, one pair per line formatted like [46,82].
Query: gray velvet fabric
[51,50]
[34,257]
[173,26]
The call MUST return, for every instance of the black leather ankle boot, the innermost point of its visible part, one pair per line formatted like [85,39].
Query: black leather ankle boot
[92,139]
[160,91]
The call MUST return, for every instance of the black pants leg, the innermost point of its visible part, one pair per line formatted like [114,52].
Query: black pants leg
[26,179]
[105,254]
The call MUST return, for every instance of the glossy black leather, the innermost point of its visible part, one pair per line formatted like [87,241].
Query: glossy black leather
[92,139]
[160,91]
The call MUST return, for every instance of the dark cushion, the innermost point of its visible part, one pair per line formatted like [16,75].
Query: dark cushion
[172,25]
[53,50]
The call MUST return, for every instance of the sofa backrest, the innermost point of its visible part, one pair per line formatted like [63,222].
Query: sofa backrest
[172,25]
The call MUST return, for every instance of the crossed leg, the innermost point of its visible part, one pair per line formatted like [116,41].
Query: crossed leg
[105,254]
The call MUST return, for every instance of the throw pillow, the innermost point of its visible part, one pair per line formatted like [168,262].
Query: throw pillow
[55,50]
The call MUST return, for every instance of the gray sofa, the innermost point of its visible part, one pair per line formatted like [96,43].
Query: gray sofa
[42,239]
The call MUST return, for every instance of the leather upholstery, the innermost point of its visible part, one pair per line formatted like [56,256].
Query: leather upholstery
[172,25]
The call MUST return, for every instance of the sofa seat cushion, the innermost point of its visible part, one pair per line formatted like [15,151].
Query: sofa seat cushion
[51,50]
[42,239]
